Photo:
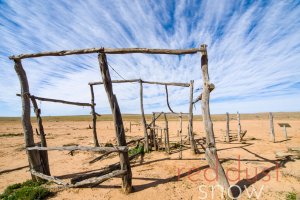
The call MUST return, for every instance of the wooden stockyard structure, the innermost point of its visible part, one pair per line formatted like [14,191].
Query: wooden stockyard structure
[38,154]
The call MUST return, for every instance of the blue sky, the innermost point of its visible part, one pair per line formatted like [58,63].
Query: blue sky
[253,49]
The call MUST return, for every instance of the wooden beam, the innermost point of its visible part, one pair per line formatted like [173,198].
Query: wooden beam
[210,150]
[272,132]
[81,148]
[94,115]
[109,51]
[118,122]
[33,156]
[143,118]
[146,82]
[167,140]
[48,178]
[58,101]
[154,119]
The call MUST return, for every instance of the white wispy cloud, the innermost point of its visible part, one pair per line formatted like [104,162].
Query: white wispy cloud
[253,49]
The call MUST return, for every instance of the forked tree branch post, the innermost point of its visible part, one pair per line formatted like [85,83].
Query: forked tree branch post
[211,150]
[272,132]
[34,158]
[118,122]
[44,154]
[96,142]
[146,147]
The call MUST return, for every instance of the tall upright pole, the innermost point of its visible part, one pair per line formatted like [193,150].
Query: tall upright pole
[191,134]
[210,150]
[96,143]
[272,132]
[118,123]
[227,128]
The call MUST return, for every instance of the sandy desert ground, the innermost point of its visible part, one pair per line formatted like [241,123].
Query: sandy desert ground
[163,176]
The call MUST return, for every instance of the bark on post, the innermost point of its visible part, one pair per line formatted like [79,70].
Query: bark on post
[227,127]
[43,154]
[211,150]
[154,133]
[118,123]
[239,127]
[143,118]
[191,134]
[96,143]
[33,156]
[272,127]
[167,134]
[180,134]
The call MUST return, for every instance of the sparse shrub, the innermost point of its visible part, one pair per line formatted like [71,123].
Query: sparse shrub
[11,134]
[108,145]
[136,150]
[291,196]
[28,190]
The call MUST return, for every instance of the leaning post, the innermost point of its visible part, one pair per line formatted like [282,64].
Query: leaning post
[210,150]
[96,143]
[34,158]
[118,123]
[143,118]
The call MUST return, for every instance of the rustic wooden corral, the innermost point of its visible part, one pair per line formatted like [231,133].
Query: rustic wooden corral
[34,157]
[272,132]
[227,127]
[210,150]
[239,127]
[118,122]
[96,142]
[144,119]
[147,82]
[81,148]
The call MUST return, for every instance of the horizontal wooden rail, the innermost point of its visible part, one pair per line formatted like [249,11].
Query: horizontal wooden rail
[59,101]
[109,51]
[147,82]
[170,113]
[48,178]
[80,148]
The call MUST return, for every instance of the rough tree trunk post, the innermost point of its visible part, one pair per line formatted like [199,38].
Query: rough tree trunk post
[211,150]
[227,128]
[167,134]
[239,127]
[43,154]
[272,127]
[33,156]
[118,123]
[96,143]
[191,134]
[143,118]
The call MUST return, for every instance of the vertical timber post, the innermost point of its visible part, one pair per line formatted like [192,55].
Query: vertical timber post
[143,118]
[284,131]
[239,127]
[167,140]
[191,134]
[154,133]
[227,128]
[96,143]
[33,156]
[211,150]
[180,134]
[118,122]
[272,132]
[43,154]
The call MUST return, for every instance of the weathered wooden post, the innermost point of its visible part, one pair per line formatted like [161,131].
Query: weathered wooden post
[272,133]
[211,150]
[180,134]
[239,127]
[154,132]
[143,118]
[191,134]
[284,131]
[43,154]
[167,134]
[34,158]
[118,122]
[96,143]
[130,126]
[227,128]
